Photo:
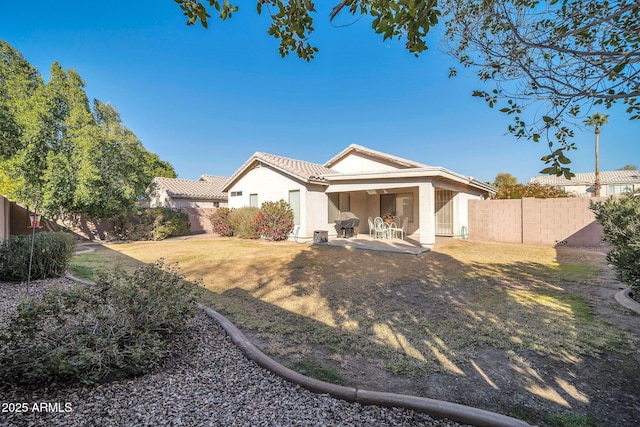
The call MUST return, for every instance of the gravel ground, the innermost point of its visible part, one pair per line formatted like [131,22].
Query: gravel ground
[209,382]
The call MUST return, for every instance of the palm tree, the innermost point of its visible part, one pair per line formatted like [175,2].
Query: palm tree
[597,119]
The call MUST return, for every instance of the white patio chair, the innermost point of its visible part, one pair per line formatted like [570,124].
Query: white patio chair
[379,228]
[402,230]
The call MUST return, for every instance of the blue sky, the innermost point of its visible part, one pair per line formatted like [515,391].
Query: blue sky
[205,100]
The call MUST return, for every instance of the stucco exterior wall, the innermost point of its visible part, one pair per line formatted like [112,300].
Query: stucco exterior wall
[461,212]
[272,185]
[161,198]
[269,184]
[193,204]
[316,205]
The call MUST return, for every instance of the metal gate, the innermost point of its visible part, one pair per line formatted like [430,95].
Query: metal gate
[444,212]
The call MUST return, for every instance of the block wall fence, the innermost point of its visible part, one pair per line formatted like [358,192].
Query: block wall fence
[529,221]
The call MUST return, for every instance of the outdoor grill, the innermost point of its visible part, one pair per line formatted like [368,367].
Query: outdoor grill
[345,223]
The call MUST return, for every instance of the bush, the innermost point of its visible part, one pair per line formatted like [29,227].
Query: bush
[243,222]
[221,222]
[119,328]
[275,220]
[620,219]
[51,255]
[154,224]
[539,191]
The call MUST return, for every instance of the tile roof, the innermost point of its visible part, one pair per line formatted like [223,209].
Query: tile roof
[306,171]
[188,189]
[607,177]
[212,178]
[402,162]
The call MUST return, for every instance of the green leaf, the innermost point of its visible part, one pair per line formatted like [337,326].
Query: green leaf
[549,171]
[619,67]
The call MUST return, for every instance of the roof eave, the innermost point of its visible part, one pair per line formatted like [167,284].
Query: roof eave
[415,173]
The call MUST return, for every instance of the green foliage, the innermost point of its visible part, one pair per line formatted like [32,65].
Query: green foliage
[51,255]
[61,155]
[620,220]
[292,21]
[629,167]
[243,222]
[546,61]
[221,222]
[539,191]
[311,368]
[118,329]
[154,224]
[504,179]
[570,420]
[275,220]
[549,61]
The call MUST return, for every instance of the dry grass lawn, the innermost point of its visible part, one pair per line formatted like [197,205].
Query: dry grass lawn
[408,314]
[416,313]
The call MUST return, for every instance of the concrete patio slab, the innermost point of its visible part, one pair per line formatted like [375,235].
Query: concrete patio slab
[386,245]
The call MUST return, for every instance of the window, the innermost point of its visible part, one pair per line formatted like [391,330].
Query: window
[216,204]
[620,188]
[236,193]
[338,202]
[253,200]
[294,202]
[400,205]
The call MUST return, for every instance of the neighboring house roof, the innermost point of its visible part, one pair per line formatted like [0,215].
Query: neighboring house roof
[607,177]
[189,189]
[304,171]
[213,178]
[355,148]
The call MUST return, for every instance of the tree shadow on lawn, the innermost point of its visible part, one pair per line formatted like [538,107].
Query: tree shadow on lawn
[516,337]
[505,337]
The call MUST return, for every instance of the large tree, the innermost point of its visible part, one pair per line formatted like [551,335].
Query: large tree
[504,179]
[61,156]
[561,56]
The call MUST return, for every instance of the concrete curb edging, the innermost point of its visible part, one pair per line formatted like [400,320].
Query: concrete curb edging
[626,301]
[453,411]
[79,280]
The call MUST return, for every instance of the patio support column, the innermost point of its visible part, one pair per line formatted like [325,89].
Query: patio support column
[426,214]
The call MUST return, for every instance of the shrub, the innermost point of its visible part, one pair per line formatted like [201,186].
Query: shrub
[539,191]
[51,255]
[154,224]
[221,222]
[275,220]
[620,220]
[243,222]
[119,328]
